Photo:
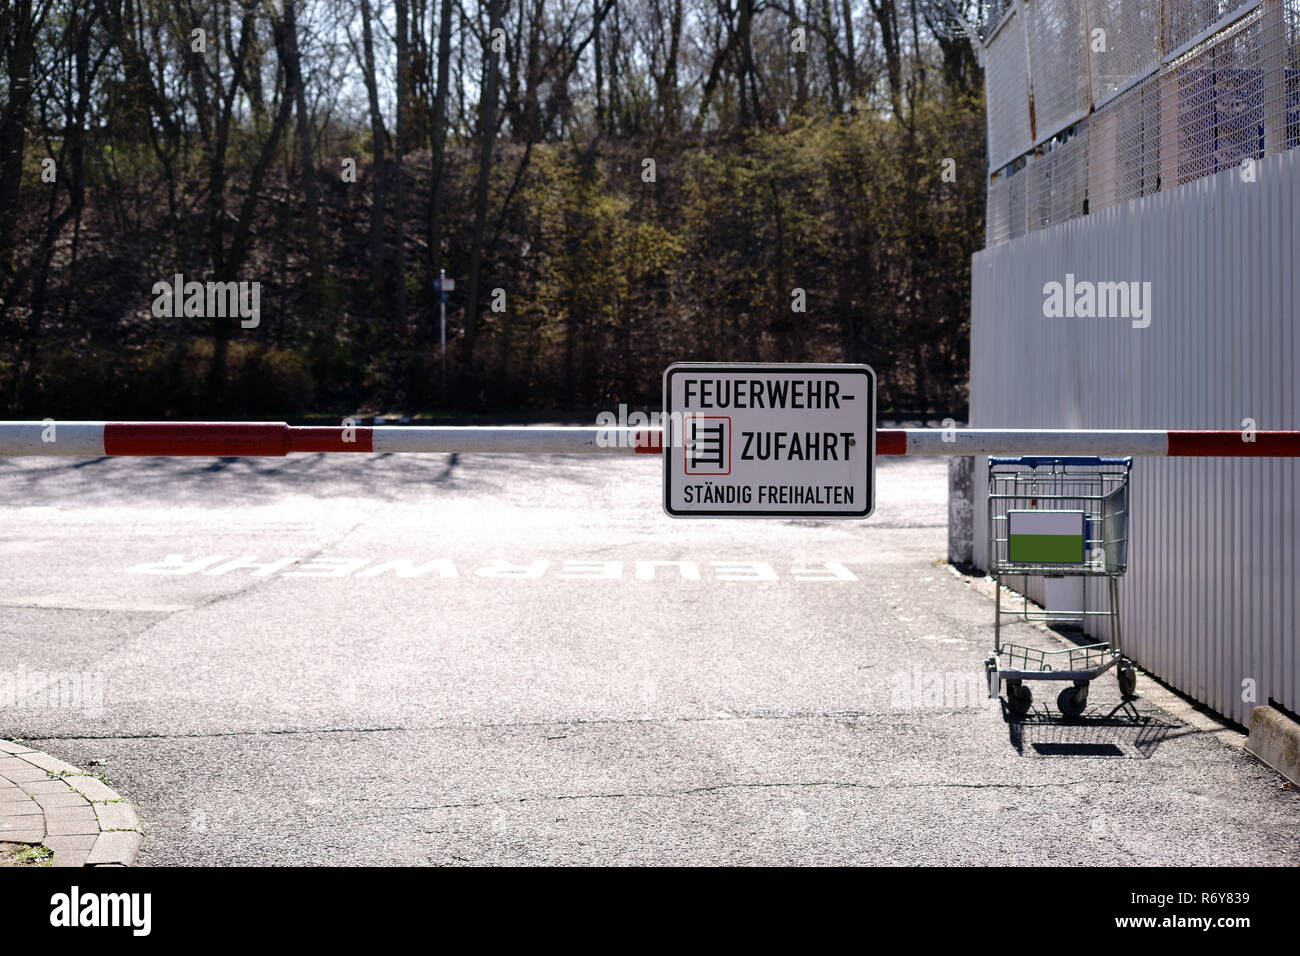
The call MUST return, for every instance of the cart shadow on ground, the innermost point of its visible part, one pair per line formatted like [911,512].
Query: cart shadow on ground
[1108,730]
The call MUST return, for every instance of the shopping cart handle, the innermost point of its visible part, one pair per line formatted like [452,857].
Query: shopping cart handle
[1033,461]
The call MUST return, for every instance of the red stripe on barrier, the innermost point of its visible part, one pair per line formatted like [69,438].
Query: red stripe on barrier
[648,443]
[313,438]
[891,441]
[220,439]
[1231,443]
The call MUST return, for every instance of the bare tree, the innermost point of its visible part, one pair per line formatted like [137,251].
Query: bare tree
[487,139]
[19,24]
[378,144]
[399,167]
[298,89]
[439,143]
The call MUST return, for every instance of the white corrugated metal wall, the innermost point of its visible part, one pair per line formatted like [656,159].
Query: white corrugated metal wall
[1210,599]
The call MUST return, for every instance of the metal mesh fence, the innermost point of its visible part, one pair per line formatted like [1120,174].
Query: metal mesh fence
[1006,81]
[1088,120]
[1006,210]
[1058,182]
[1128,45]
[1188,19]
[1058,61]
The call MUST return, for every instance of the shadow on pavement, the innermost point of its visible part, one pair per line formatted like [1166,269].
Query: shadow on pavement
[1123,732]
[193,480]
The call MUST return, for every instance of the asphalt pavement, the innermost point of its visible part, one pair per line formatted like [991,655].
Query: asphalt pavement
[508,659]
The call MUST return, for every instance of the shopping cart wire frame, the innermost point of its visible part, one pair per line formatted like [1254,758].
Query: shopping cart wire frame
[1055,517]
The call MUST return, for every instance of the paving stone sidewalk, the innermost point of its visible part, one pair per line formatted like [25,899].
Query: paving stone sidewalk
[48,802]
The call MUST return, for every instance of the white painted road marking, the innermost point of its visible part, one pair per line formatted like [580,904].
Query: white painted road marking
[577,569]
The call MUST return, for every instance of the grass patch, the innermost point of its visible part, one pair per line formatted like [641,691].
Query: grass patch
[25,854]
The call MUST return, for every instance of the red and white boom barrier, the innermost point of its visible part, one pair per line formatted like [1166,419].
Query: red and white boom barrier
[273,439]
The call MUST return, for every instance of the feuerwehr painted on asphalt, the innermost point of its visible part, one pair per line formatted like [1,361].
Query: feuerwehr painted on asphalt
[754,440]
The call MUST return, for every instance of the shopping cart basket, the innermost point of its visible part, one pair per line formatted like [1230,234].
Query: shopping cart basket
[1058,517]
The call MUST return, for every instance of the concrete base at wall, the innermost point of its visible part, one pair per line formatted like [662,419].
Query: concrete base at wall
[961,510]
[1275,739]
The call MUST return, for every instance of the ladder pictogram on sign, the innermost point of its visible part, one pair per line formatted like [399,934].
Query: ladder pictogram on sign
[708,445]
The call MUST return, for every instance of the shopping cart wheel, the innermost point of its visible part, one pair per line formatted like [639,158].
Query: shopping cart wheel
[1073,700]
[1019,698]
[1128,678]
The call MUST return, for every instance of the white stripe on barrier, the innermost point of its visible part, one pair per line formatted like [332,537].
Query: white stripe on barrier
[81,439]
[1063,442]
[501,440]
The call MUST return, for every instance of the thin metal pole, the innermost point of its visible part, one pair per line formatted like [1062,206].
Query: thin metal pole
[442,334]
[1118,636]
[997,614]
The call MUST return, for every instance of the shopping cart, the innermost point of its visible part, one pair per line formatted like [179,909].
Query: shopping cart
[1058,517]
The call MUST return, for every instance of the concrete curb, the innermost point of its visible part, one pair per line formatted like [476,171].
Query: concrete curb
[1275,739]
[48,802]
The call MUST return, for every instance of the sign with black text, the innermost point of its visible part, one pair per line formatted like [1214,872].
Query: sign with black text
[774,441]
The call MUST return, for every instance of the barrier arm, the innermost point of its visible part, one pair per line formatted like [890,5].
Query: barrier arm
[274,439]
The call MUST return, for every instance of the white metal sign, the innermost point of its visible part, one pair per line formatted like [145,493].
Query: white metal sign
[754,440]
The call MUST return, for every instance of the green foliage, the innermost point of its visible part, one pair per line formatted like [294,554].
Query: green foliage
[163,381]
[608,278]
